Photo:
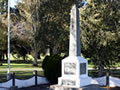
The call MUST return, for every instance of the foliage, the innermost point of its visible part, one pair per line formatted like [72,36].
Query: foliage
[51,26]
[3,28]
[100,33]
[54,30]
[3,6]
[30,16]
[20,39]
[47,23]
[52,67]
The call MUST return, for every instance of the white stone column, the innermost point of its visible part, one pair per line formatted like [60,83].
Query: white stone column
[74,44]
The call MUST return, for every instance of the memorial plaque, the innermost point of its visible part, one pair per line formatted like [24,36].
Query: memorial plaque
[70,68]
[82,68]
[68,82]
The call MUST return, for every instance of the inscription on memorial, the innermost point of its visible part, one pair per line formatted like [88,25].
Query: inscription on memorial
[68,82]
[82,68]
[70,68]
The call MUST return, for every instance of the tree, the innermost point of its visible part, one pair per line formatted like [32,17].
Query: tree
[48,22]
[100,36]
[3,28]
[20,40]
[54,30]
[29,11]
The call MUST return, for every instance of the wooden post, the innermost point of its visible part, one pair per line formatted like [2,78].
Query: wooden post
[107,78]
[13,79]
[35,74]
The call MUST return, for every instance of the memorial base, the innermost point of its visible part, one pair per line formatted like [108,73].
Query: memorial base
[75,82]
[74,72]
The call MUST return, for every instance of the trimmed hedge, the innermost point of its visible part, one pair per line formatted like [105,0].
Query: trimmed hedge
[52,68]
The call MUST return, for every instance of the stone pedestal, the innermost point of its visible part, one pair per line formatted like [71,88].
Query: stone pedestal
[74,72]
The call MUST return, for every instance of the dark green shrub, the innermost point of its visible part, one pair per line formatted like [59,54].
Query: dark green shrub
[52,68]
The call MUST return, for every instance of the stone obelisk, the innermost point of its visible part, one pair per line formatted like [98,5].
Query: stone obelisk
[74,67]
[74,43]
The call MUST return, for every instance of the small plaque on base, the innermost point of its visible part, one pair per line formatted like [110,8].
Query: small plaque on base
[70,68]
[82,68]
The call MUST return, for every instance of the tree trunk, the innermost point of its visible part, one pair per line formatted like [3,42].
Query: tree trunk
[101,66]
[3,55]
[24,58]
[0,57]
[35,53]
[55,50]
[51,51]
[38,56]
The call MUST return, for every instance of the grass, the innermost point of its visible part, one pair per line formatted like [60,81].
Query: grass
[22,75]
[117,64]
[90,66]
[19,66]
[113,72]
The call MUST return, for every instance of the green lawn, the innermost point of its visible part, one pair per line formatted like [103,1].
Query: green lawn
[19,66]
[29,65]
[90,66]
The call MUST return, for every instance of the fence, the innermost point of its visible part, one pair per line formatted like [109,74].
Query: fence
[37,80]
[33,81]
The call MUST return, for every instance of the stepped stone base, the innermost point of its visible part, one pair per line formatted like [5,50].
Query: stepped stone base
[89,87]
